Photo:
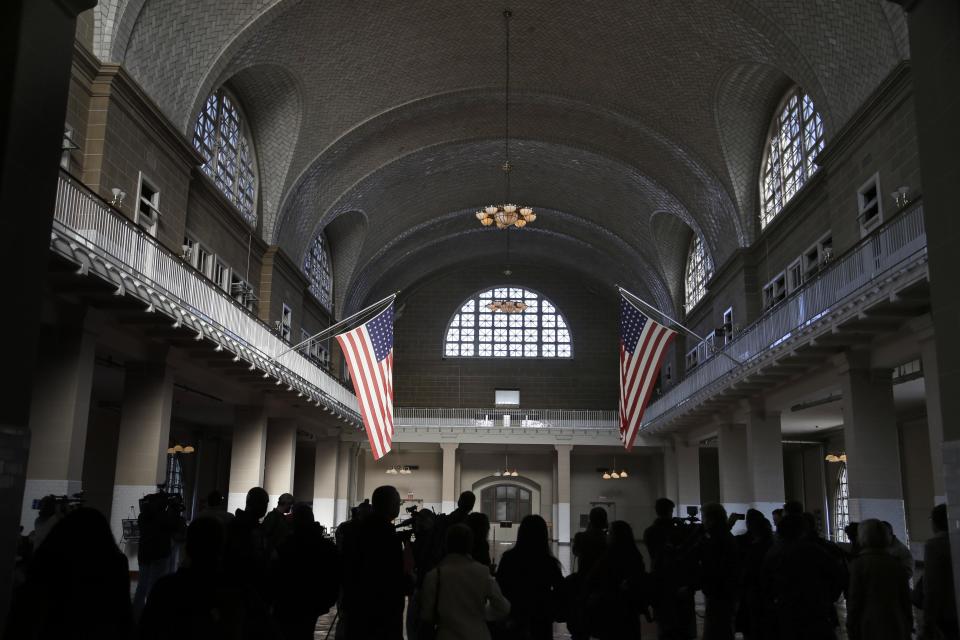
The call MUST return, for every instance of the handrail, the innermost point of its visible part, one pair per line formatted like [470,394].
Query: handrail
[890,245]
[505,418]
[91,221]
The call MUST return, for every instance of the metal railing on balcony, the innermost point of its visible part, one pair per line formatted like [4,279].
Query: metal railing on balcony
[502,418]
[168,281]
[890,246]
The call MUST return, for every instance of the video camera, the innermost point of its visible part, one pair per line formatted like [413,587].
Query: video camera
[691,518]
[60,504]
[162,502]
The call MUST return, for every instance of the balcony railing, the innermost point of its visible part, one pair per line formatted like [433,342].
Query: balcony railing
[134,261]
[501,418]
[889,247]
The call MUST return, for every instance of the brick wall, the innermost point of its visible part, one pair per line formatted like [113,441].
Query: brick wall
[423,377]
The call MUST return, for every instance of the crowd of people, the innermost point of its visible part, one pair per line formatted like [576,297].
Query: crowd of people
[254,574]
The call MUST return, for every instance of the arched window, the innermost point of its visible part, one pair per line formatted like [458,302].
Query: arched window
[506,503]
[538,331]
[796,137]
[317,267]
[222,139]
[697,273]
[841,506]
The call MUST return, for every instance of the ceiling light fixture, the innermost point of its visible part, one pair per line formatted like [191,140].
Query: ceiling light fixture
[506,215]
[507,305]
[507,472]
[612,473]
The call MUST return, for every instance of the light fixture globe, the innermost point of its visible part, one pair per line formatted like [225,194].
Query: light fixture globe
[606,475]
[623,474]
[507,215]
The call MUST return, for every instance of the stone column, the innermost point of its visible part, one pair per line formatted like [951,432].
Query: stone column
[58,419]
[764,456]
[35,60]
[247,454]
[931,383]
[448,500]
[325,482]
[345,460]
[688,475]
[671,486]
[555,506]
[563,492]
[872,444]
[735,490]
[280,457]
[935,50]
[143,439]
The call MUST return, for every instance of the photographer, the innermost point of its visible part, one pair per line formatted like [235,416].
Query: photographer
[160,521]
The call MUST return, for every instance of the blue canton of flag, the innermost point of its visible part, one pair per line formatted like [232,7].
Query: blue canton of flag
[643,345]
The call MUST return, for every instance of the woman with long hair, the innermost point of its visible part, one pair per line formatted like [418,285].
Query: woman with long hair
[530,578]
[617,587]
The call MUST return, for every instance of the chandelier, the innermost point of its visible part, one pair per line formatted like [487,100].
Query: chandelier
[506,215]
[832,457]
[507,471]
[613,474]
[507,305]
[397,469]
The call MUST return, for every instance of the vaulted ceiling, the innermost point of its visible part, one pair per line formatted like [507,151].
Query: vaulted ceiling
[636,123]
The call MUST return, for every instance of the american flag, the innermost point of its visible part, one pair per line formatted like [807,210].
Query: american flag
[643,345]
[369,353]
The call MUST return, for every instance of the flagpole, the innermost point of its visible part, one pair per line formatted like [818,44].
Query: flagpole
[632,298]
[334,327]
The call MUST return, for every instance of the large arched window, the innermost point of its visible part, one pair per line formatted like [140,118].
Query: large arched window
[841,506]
[221,137]
[317,267]
[538,331]
[506,503]
[697,273]
[796,137]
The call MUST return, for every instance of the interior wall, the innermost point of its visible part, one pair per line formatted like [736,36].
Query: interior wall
[917,477]
[633,498]
[423,377]
[303,467]
[709,475]
[422,487]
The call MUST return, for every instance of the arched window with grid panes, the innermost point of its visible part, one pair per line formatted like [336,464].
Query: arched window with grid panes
[697,273]
[222,138]
[790,158]
[316,265]
[477,331]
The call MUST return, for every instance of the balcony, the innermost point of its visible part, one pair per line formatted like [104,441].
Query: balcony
[89,232]
[872,272]
[501,418]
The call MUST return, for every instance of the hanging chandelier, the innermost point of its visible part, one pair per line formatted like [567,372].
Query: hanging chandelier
[506,215]
[397,469]
[507,471]
[506,305]
[613,474]
[832,457]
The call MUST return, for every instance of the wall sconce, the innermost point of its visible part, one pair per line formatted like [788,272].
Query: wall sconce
[118,196]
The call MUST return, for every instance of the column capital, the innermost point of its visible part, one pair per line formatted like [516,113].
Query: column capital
[563,448]
[449,446]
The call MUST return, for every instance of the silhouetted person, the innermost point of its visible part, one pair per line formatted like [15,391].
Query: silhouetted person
[777,516]
[718,573]
[77,586]
[878,604]
[939,607]
[427,553]
[308,576]
[616,588]
[899,550]
[674,579]
[216,508]
[588,547]
[247,555]
[479,525]
[465,504]
[160,520]
[801,580]
[792,508]
[851,532]
[753,616]
[656,535]
[276,524]
[375,583]
[460,595]
[530,578]
[839,559]
[199,601]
